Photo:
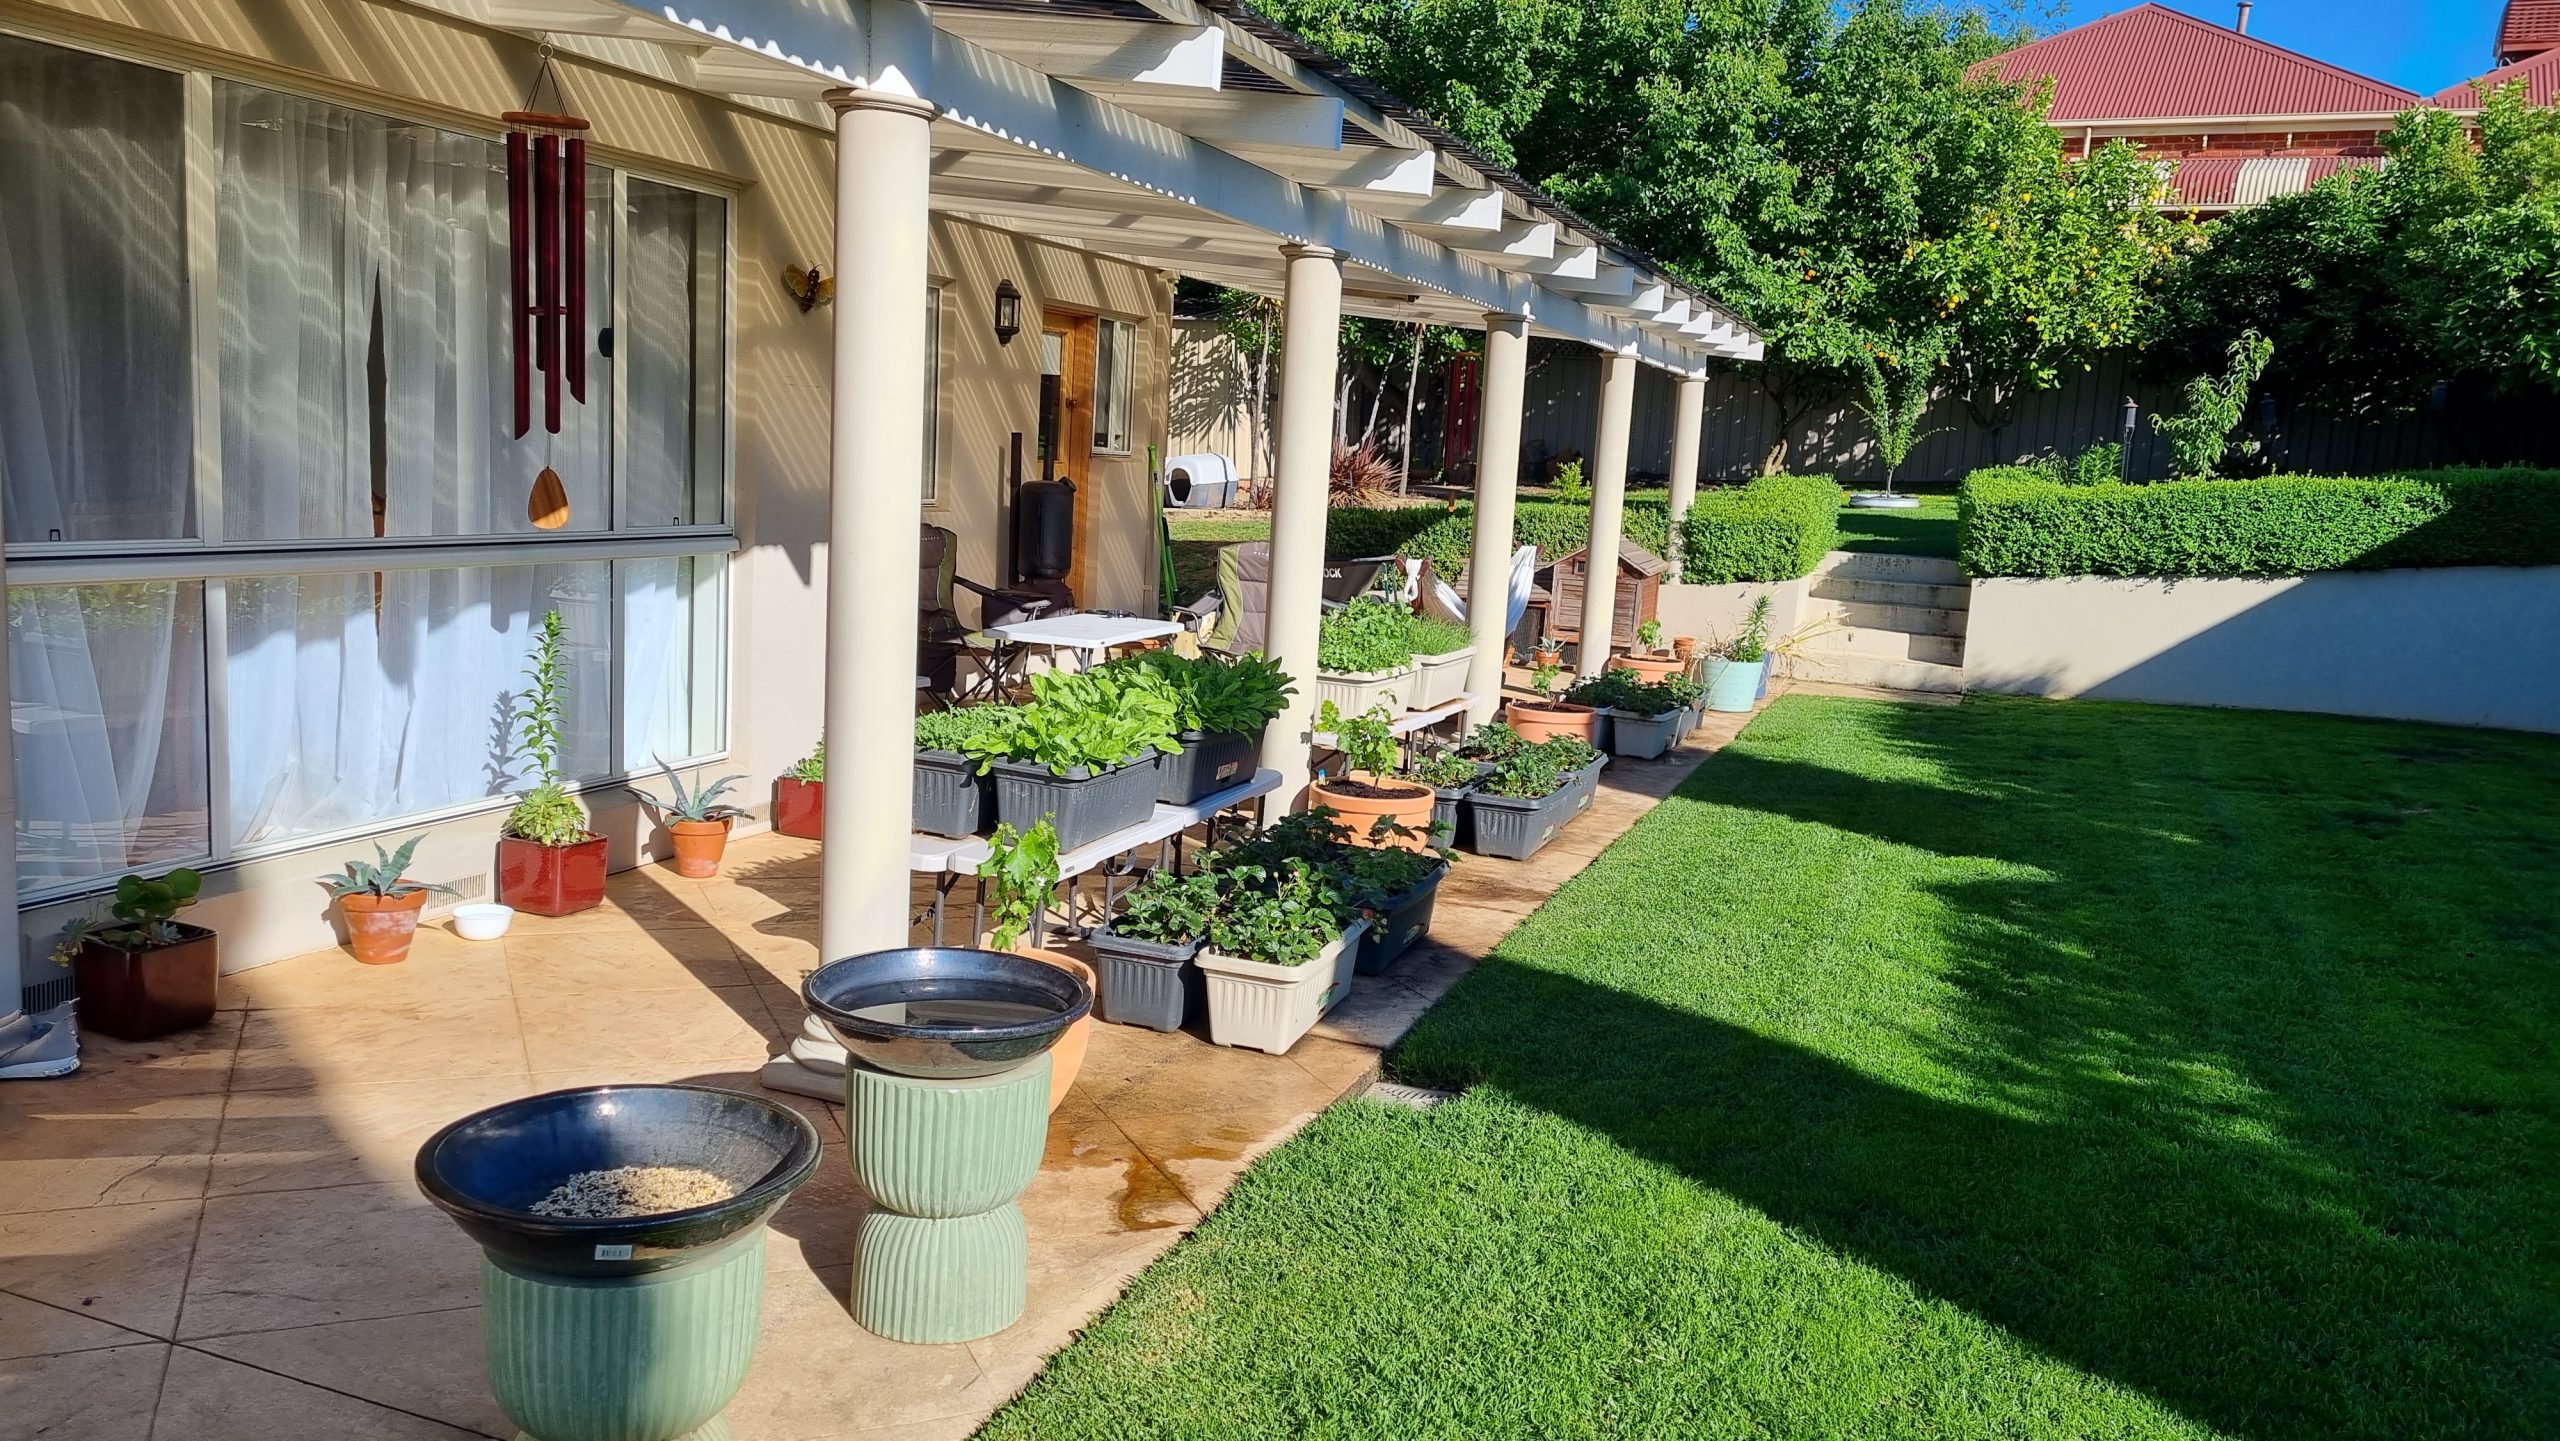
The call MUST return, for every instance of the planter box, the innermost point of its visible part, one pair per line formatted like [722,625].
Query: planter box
[1449,814]
[145,994]
[550,880]
[1083,805]
[1143,983]
[1513,828]
[1264,1007]
[1209,762]
[1732,686]
[1586,782]
[1439,679]
[1406,920]
[799,807]
[950,796]
[1644,737]
[1354,692]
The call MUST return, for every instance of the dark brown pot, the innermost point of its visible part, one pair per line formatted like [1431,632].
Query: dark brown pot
[698,846]
[799,808]
[379,928]
[140,995]
[550,880]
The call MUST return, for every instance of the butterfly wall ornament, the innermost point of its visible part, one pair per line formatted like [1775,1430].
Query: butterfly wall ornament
[811,287]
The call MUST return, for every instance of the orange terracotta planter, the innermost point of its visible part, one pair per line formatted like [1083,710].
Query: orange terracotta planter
[379,928]
[1066,1058]
[1359,813]
[1685,647]
[699,845]
[1545,720]
[1654,668]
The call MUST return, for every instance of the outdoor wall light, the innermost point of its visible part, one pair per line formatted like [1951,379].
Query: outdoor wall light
[1008,312]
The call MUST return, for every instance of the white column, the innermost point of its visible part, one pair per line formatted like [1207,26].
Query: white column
[883,152]
[1608,508]
[1506,370]
[1311,325]
[1686,421]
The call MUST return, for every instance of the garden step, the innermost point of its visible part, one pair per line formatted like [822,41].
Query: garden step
[1869,615]
[1875,565]
[1881,672]
[1917,594]
[1889,644]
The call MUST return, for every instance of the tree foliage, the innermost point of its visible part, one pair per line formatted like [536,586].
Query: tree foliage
[2213,406]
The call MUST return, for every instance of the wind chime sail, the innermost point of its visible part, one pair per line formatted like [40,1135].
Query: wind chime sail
[547,271]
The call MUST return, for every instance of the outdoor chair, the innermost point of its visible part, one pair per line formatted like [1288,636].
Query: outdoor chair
[941,635]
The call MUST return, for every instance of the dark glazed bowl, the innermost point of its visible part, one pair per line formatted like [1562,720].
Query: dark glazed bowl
[1029,1004]
[488,1169]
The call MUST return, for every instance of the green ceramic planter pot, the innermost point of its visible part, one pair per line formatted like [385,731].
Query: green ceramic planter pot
[942,1255]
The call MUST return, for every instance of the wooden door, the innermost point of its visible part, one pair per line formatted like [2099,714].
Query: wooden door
[1066,421]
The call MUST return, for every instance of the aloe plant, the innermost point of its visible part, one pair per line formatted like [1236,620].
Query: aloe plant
[385,876]
[690,804]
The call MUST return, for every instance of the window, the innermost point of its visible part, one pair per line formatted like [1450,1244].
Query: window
[932,393]
[1115,355]
[231,648]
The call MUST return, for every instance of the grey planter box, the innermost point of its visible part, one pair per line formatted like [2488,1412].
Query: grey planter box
[1645,738]
[1084,806]
[1514,828]
[1449,814]
[1406,920]
[1144,983]
[950,795]
[1208,762]
[1586,782]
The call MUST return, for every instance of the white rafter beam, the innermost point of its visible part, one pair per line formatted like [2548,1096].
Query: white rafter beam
[1096,53]
[1353,169]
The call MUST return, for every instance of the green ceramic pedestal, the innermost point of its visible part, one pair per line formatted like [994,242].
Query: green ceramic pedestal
[942,1256]
[652,1357]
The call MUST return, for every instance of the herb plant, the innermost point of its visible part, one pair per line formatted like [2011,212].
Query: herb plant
[1282,915]
[1216,695]
[1626,692]
[811,767]
[1168,909]
[1367,741]
[690,804]
[385,876]
[1490,742]
[1541,769]
[1092,720]
[950,730]
[1374,878]
[1366,635]
[1543,679]
[1430,635]
[1649,634]
[1443,769]
[545,815]
[1747,647]
[1021,870]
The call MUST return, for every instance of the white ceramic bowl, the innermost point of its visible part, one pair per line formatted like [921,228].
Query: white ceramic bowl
[483,920]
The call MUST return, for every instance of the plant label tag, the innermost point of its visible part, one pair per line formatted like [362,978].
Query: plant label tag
[1228,771]
[614,1253]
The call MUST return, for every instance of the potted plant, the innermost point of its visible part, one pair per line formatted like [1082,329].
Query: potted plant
[1642,717]
[1546,717]
[1736,670]
[1083,754]
[1368,795]
[950,788]
[549,863]
[1529,796]
[1364,656]
[1441,650]
[1279,952]
[1452,778]
[1648,660]
[145,973]
[1549,651]
[1145,954]
[1685,647]
[696,820]
[1396,889]
[1020,873]
[1221,708]
[800,796]
[380,904]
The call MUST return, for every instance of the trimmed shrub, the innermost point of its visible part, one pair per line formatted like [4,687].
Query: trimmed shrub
[2016,521]
[1446,536]
[1776,528]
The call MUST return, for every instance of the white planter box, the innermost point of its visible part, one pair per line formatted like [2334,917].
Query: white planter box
[1353,692]
[1266,1007]
[1439,679]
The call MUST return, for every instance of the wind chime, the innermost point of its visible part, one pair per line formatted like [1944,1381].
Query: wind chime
[547,270]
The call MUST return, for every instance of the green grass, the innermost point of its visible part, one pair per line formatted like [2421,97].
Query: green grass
[1930,530]
[2014,1069]
[1196,541]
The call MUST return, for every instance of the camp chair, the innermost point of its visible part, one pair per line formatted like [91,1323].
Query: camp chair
[1235,617]
[940,635]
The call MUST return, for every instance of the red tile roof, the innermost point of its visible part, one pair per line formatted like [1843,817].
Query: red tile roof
[2541,77]
[2153,63]
[2530,27]
[2213,182]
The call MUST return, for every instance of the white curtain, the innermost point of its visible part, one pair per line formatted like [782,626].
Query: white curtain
[672,624]
[670,349]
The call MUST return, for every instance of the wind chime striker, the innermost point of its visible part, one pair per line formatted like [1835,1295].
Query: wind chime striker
[547,269]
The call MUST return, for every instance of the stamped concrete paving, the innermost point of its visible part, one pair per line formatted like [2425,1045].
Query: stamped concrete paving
[216,1236]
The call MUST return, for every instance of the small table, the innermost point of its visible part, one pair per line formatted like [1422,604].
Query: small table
[1084,632]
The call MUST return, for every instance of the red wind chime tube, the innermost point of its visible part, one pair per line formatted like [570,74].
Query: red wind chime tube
[546,274]
[573,244]
[519,225]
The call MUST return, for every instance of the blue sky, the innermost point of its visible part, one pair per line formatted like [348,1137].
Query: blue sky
[2421,45]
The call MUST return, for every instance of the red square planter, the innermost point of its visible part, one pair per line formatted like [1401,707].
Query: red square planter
[145,994]
[799,807]
[550,880]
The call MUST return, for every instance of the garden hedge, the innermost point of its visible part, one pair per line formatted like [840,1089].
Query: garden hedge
[2019,522]
[1445,535]
[1776,528]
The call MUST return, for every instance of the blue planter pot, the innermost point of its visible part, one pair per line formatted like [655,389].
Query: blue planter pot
[1768,668]
[1732,685]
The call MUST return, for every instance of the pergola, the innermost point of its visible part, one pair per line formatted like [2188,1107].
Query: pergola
[1189,136]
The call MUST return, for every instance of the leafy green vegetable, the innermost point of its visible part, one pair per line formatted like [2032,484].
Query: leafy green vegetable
[1216,694]
[1282,915]
[1092,720]
[1021,870]
[1367,741]
[1490,741]
[950,730]
[1366,635]
[1443,769]
[1168,909]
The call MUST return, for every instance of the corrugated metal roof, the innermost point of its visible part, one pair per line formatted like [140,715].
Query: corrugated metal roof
[2541,77]
[2217,182]
[2530,27]
[2153,63]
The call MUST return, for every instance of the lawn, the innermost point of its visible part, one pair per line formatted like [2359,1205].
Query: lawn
[1196,542]
[1930,530]
[2016,1069]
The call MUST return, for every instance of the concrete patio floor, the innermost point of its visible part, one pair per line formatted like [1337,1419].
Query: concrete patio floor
[216,1236]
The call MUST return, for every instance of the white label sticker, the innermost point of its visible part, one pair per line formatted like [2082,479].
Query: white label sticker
[613,1253]
[1228,770]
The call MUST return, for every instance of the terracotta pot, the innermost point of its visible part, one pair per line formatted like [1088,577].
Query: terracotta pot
[142,994]
[1685,647]
[799,808]
[1545,720]
[1547,657]
[1358,813]
[1655,669]
[699,844]
[379,928]
[550,880]
[1066,1058]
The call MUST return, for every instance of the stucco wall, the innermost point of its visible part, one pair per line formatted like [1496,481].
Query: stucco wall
[2469,646]
[780,177]
[1716,612]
